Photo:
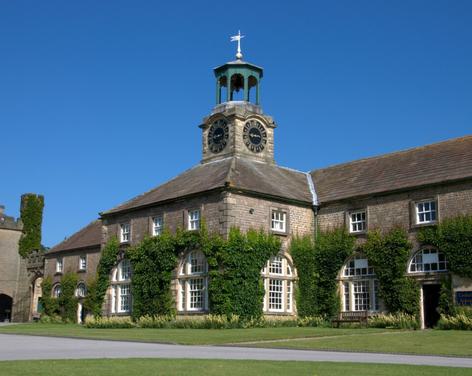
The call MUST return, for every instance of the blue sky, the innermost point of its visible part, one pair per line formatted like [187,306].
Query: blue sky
[101,100]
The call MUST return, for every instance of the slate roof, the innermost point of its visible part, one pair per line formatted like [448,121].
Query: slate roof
[445,161]
[89,236]
[235,172]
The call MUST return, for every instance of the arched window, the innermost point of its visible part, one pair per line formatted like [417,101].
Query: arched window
[121,288]
[81,290]
[278,279]
[428,260]
[56,291]
[193,283]
[359,286]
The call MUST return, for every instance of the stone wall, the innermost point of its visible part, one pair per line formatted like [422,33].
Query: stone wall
[71,263]
[395,209]
[14,280]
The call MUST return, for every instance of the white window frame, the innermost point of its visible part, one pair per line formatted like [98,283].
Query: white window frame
[193,219]
[59,264]
[357,225]
[420,210]
[81,290]
[193,268]
[278,279]
[83,262]
[157,225]
[57,291]
[121,282]
[278,221]
[125,232]
[437,261]
[358,283]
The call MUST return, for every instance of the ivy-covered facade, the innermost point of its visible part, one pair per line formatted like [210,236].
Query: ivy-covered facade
[239,234]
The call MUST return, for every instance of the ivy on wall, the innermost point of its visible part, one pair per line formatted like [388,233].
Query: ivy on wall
[302,250]
[65,305]
[67,301]
[235,271]
[31,213]
[332,248]
[318,265]
[453,237]
[49,304]
[389,254]
[234,265]
[153,261]
[97,288]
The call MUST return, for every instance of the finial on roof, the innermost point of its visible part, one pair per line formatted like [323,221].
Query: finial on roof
[238,38]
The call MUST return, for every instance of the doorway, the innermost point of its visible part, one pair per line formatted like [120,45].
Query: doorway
[6,304]
[430,305]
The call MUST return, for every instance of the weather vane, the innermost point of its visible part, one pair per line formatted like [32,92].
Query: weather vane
[238,38]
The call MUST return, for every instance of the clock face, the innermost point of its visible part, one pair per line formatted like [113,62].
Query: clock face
[218,136]
[254,136]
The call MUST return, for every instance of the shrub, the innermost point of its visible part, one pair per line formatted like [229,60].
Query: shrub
[313,321]
[461,321]
[203,322]
[114,322]
[54,319]
[394,321]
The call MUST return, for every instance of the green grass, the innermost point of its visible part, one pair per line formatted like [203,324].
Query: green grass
[180,336]
[434,342]
[171,367]
[431,342]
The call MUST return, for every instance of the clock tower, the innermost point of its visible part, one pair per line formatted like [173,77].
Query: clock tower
[237,127]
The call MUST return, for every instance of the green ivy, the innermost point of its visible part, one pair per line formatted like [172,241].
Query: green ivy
[332,248]
[235,264]
[153,261]
[50,305]
[302,250]
[446,301]
[389,254]
[453,237]
[98,287]
[318,265]
[31,213]
[67,301]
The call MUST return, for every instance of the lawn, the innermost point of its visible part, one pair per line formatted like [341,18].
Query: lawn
[431,342]
[180,336]
[171,367]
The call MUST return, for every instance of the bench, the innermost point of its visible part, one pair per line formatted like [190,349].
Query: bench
[351,316]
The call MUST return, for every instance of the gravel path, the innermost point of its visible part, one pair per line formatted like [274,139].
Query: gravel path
[23,347]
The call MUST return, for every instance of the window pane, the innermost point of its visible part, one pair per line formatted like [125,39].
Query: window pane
[275,294]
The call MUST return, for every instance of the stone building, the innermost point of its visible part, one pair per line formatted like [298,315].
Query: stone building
[239,184]
[18,276]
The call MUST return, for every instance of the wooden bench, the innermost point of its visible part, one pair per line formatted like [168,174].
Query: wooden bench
[351,316]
